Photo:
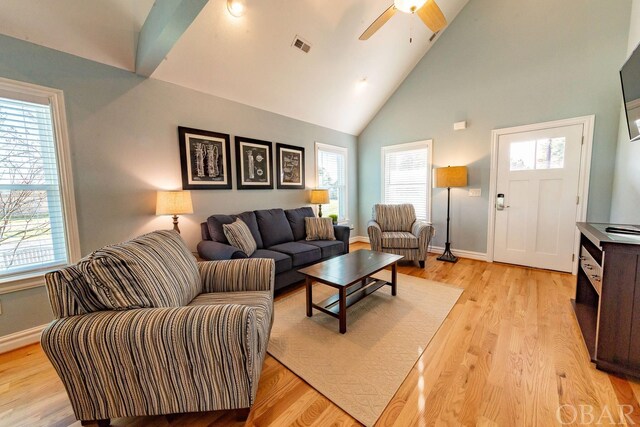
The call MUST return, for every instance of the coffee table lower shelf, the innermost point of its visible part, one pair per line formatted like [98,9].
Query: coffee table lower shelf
[355,293]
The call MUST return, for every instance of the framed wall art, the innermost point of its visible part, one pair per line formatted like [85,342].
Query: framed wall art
[254,165]
[290,166]
[205,158]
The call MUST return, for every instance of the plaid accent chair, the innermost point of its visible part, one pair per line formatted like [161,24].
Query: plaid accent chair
[141,328]
[395,229]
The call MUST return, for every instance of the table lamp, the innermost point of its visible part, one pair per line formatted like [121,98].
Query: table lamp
[319,197]
[174,203]
[451,176]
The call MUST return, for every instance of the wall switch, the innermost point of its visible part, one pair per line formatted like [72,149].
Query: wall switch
[475,192]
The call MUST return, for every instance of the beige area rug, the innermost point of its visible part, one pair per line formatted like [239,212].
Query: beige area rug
[361,370]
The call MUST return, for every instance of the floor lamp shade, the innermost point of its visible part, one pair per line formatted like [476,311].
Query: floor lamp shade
[452,176]
[174,203]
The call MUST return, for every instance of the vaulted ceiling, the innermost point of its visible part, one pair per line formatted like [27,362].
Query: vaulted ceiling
[340,83]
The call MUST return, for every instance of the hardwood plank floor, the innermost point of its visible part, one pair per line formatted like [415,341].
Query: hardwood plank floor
[509,353]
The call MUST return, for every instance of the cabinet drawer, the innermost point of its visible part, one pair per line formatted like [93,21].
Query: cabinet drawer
[592,269]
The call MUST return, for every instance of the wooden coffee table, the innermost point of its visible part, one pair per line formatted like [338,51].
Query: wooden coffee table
[350,275]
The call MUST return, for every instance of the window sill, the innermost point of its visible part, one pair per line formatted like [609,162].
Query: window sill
[24,281]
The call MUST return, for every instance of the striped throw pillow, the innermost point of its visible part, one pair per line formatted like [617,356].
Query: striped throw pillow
[239,236]
[319,228]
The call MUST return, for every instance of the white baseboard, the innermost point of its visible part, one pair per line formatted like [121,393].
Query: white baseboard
[21,338]
[480,256]
[356,239]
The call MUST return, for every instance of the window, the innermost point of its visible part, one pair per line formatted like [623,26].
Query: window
[541,154]
[331,173]
[38,228]
[407,176]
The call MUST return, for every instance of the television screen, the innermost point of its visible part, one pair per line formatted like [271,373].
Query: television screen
[630,76]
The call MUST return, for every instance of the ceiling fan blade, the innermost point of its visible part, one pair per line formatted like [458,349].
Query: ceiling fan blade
[382,19]
[432,16]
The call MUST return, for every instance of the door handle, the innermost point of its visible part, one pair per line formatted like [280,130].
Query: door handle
[500,202]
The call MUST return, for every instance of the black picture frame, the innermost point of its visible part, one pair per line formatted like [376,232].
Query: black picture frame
[254,164]
[290,166]
[205,159]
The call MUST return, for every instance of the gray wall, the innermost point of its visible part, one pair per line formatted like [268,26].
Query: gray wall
[625,207]
[124,146]
[504,63]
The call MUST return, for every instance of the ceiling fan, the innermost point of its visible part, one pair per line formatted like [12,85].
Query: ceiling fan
[427,10]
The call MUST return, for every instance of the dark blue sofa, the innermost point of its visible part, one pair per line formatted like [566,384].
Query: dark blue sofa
[280,235]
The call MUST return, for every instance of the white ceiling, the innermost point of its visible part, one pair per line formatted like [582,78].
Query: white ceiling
[250,59]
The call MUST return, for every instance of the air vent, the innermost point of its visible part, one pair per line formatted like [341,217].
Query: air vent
[301,44]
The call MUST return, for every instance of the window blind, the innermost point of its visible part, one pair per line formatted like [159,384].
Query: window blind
[32,233]
[332,175]
[406,178]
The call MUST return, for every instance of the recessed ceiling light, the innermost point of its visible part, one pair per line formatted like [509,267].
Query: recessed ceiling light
[236,7]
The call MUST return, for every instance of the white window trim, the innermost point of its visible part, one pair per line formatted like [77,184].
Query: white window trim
[58,115]
[319,146]
[428,144]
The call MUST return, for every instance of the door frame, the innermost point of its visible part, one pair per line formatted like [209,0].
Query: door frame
[588,123]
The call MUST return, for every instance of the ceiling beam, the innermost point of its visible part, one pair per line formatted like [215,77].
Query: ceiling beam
[167,21]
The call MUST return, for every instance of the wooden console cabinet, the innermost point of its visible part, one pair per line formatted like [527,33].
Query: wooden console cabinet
[607,302]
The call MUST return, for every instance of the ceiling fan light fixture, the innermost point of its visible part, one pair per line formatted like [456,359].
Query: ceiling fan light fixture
[236,7]
[408,6]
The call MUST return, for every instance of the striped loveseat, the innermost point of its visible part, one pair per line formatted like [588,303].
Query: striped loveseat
[143,329]
[395,229]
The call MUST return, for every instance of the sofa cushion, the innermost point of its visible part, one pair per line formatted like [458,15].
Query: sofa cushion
[328,248]
[394,217]
[301,253]
[399,240]
[249,218]
[153,270]
[319,229]
[240,236]
[215,223]
[283,261]
[296,220]
[274,227]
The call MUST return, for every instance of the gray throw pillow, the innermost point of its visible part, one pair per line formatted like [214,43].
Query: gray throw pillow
[239,236]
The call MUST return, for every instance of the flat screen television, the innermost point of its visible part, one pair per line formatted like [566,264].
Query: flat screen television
[630,76]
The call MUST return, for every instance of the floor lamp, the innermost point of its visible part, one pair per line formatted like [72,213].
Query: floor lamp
[452,176]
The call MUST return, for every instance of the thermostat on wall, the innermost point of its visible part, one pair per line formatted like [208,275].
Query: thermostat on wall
[460,125]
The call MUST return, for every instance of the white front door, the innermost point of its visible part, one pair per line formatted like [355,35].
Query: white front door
[538,175]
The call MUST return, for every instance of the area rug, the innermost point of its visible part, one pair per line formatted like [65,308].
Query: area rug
[361,370]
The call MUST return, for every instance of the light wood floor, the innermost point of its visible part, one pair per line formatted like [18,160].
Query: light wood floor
[509,353]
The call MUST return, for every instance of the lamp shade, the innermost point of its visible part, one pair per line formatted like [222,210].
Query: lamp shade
[320,197]
[408,6]
[451,176]
[174,203]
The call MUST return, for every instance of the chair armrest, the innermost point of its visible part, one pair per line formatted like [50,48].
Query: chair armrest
[375,235]
[145,361]
[210,250]
[424,231]
[342,233]
[254,274]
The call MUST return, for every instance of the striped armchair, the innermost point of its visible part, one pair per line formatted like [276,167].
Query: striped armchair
[143,329]
[394,229]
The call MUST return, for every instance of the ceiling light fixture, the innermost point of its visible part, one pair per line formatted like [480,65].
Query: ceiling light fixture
[408,6]
[236,7]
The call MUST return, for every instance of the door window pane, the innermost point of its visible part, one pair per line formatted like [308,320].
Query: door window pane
[541,154]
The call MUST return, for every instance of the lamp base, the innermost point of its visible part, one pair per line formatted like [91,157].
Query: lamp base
[175,223]
[447,256]
[319,211]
